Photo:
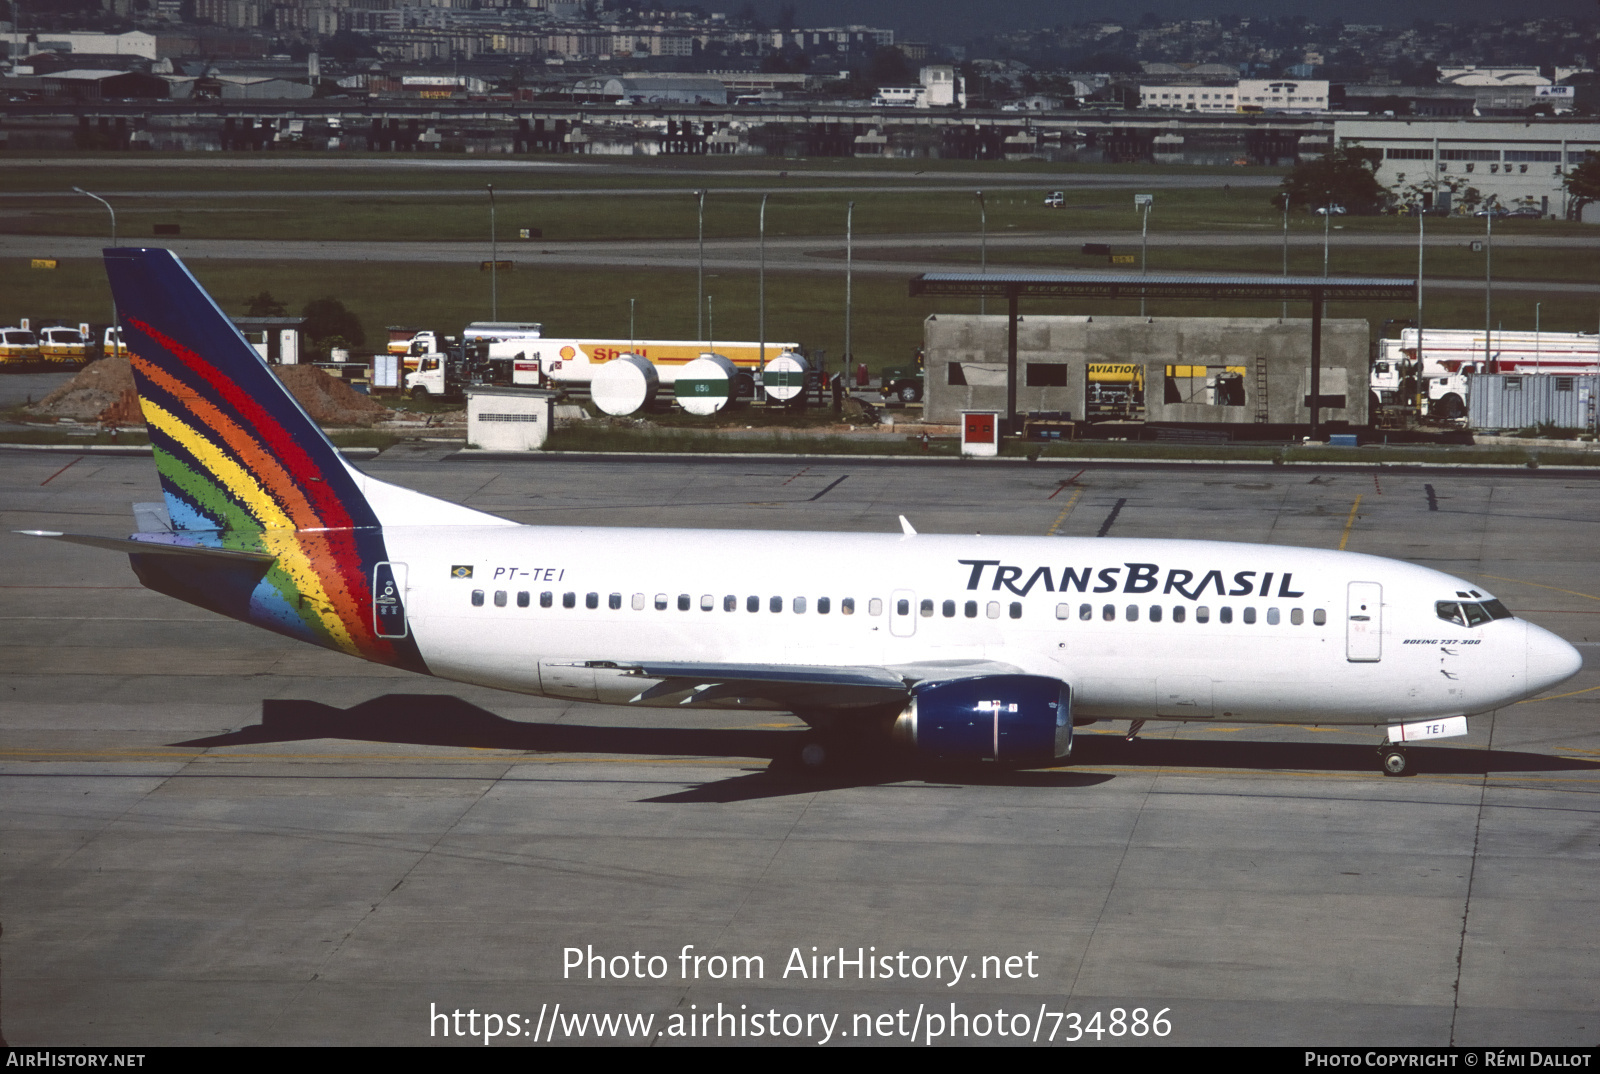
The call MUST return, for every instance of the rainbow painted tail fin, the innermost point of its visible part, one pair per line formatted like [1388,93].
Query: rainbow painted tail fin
[243,468]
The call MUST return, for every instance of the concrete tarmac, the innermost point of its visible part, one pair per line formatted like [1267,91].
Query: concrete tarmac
[212,835]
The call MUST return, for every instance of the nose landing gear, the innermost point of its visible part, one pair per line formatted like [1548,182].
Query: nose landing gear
[1393,759]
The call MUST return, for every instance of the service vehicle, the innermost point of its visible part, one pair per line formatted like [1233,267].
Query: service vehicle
[19,347]
[1438,384]
[907,383]
[59,345]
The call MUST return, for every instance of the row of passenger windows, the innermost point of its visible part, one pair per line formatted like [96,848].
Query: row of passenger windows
[926,608]
[1202,614]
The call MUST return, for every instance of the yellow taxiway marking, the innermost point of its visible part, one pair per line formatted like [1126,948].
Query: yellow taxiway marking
[1065,511]
[1344,538]
[1552,697]
[1539,585]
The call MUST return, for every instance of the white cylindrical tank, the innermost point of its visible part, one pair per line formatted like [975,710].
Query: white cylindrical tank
[785,376]
[705,384]
[624,385]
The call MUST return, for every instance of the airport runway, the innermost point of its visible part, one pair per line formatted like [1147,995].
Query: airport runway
[211,835]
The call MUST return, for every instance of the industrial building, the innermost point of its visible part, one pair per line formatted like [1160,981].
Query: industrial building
[1517,162]
[1250,373]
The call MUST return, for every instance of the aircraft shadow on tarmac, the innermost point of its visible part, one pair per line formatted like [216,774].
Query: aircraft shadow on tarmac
[444,720]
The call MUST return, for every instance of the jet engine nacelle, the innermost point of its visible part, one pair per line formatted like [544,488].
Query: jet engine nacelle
[1014,719]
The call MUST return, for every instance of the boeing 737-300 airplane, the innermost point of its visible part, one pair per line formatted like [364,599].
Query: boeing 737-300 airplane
[956,646]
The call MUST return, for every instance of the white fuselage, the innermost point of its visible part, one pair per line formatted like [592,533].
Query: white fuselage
[1139,628]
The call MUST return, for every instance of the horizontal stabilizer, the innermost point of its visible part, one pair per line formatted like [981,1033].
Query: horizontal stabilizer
[163,547]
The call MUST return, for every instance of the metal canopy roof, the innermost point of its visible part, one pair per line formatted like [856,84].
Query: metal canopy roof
[1131,285]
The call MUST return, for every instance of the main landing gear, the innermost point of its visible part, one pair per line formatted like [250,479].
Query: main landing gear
[1393,759]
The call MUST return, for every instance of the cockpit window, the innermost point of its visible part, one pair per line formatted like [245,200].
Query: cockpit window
[1470,614]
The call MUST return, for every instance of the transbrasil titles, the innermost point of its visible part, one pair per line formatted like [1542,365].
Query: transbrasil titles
[1128,578]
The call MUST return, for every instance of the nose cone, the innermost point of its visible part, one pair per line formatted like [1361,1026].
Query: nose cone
[1550,659]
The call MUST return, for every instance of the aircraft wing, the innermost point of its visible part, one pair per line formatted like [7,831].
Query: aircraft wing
[798,686]
[163,544]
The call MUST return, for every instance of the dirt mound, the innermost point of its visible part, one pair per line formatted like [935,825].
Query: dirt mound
[97,388]
[104,392]
[329,400]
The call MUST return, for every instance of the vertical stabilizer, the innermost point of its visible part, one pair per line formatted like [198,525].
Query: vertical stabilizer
[243,467]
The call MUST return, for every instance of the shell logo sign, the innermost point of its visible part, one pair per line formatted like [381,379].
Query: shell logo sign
[567,353]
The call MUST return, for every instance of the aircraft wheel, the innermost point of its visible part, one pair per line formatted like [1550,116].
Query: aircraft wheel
[1395,762]
[814,755]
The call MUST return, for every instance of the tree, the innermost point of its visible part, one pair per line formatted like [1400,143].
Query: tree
[264,305]
[1583,185]
[1342,176]
[327,318]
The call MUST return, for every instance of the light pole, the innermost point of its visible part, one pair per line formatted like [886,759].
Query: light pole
[1143,202]
[115,323]
[849,272]
[1283,314]
[761,297]
[1327,223]
[1536,306]
[983,246]
[494,261]
[631,334]
[700,275]
[1421,236]
[1488,277]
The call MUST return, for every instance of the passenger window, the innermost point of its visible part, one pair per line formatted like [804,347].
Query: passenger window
[591,600]
[1249,615]
[1319,617]
[730,603]
[948,609]
[799,605]
[1296,616]
[1225,615]
[522,599]
[684,602]
[1108,613]
[477,598]
[993,609]
[1016,609]
[499,598]
[902,607]
[927,609]
[1178,612]
[752,604]
[875,606]
[1202,614]
[707,602]
[1063,611]
[1133,613]
[1085,612]
[615,601]
[823,605]
[1272,617]
[775,604]
[1155,613]
[569,600]
[661,602]
[847,606]
[971,610]
[546,599]
[638,602]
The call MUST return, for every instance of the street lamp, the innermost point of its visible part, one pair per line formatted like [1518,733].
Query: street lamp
[115,323]
[849,272]
[761,298]
[1143,202]
[700,275]
[494,261]
[1488,277]
[1327,224]
[1422,217]
[1283,314]
[983,245]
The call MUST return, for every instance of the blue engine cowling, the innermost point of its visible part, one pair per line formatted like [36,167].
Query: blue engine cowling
[1015,719]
